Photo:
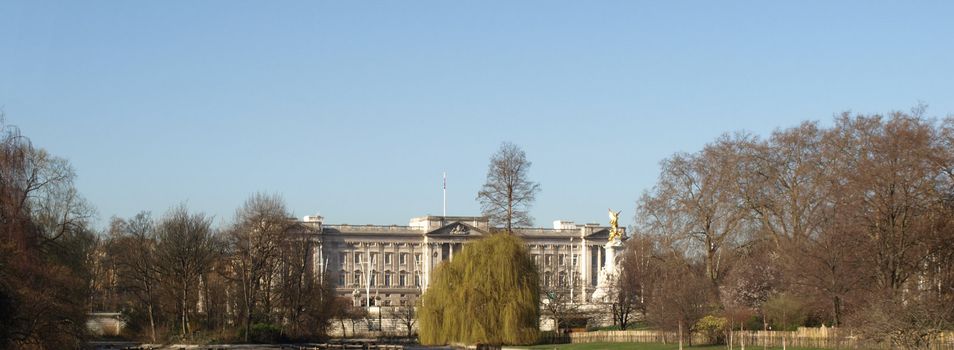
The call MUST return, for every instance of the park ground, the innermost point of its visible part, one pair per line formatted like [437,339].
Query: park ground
[640,346]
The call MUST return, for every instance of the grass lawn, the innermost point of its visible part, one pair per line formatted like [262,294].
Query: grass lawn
[640,346]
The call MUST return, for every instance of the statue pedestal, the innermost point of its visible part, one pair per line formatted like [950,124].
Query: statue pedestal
[609,271]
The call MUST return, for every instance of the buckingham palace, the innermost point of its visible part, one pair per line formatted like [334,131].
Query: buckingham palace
[390,265]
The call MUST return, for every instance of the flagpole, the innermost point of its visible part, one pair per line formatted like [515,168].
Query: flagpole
[445,193]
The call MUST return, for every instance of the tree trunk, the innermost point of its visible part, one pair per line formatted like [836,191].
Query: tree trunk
[742,335]
[680,334]
[510,209]
[248,308]
[836,303]
[185,309]
[152,322]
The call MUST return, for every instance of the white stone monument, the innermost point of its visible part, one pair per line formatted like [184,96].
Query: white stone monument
[610,270]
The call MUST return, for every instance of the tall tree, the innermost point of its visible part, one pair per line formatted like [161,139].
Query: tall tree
[187,250]
[45,244]
[508,193]
[134,252]
[855,220]
[406,315]
[791,186]
[255,242]
[559,304]
[631,289]
[697,201]
[682,296]
[306,296]
[494,278]
[895,167]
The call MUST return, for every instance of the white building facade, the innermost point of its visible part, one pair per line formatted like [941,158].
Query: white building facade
[378,265]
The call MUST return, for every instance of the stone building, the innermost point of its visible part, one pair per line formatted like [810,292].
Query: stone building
[391,265]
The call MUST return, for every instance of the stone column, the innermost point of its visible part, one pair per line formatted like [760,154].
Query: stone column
[426,275]
[582,266]
[599,258]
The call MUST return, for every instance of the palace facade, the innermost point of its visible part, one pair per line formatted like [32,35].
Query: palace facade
[377,265]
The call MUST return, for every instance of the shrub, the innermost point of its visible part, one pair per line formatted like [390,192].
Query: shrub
[713,328]
[785,312]
[263,333]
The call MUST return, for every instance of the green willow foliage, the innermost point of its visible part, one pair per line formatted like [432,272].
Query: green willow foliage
[489,294]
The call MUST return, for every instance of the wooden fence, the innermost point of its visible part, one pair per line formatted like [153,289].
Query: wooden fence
[828,338]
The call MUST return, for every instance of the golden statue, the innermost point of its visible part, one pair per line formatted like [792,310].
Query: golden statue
[615,234]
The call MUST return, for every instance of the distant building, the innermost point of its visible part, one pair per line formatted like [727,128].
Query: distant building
[391,265]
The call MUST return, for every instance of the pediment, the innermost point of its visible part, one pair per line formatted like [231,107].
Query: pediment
[599,234]
[457,229]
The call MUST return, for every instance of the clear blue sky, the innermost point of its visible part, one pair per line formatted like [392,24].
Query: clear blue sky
[354,109]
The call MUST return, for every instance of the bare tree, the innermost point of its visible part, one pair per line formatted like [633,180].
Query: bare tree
[558,304]
[622,302]
[915,323]
[894,169]
[631,289]
[45,244]
[857,216]
[697,202]
[255,241]
[508,193]
[682,296]
[406,315]
[785,183]
[357,315]
[186,251]
[305,297]
[793,186]
[135,254]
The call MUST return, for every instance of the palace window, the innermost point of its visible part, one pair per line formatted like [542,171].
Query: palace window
[374,280]
[562,262]
[576,259]
[358,281]
[357,258]
[547,261]
[562,279]
[417,259]
[403,258]
[342,258]
[341,278]
[402,280]
[417,280]
[546,279]
[387,279]
[387,258]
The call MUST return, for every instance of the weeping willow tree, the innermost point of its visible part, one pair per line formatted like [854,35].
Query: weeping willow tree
[489,294]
